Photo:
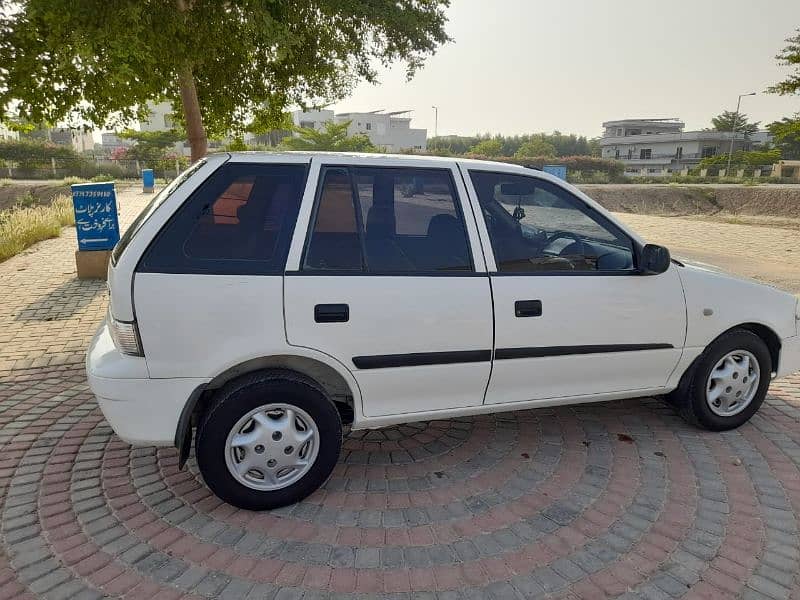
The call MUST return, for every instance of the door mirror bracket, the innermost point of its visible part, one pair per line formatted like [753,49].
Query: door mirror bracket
[653,259]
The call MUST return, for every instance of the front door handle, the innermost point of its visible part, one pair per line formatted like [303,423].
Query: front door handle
[528,308]
[332,313]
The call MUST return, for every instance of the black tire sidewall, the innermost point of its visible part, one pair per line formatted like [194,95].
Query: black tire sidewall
[236,400]
[735,340]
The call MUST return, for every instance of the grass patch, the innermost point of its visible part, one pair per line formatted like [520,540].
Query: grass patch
[23,226]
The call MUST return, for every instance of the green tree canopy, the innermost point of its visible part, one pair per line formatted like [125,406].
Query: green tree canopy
[726,120]
[488,148]
[564,144]
[786,134]
[99,62]
[535,147]
[150,145]
[742,159]
[789,57]
[333,137]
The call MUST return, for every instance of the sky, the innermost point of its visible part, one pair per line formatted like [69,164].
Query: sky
[524,66]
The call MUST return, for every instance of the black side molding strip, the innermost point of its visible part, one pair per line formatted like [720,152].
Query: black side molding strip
[508,353]
[417,359]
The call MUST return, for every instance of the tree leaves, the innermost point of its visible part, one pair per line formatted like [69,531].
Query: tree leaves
[789,57]
[100,61]
[332,137]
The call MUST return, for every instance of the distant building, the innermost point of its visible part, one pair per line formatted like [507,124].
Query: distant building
[661,146]
[80,140]
[387,130]
[159,119]
[7,134]
[111,141]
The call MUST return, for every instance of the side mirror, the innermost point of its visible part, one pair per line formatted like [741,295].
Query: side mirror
[653,259]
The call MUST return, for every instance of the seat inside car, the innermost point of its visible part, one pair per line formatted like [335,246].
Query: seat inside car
[383,251]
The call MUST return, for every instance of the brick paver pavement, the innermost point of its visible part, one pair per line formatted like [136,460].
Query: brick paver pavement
[615,500]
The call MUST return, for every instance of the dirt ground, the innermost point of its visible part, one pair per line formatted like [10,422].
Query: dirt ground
[767,254]
[43,191]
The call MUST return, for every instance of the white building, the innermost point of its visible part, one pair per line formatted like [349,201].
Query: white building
[80,140]
[661,146]
[111,141]
[7,134]
[386,130]
[159,119]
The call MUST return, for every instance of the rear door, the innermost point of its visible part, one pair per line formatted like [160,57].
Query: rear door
[208,289]
[390,281]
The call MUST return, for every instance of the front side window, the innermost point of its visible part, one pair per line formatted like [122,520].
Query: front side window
[387,221]
[536,226]
[238,222]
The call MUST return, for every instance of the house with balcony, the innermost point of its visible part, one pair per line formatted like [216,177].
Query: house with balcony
[654,147]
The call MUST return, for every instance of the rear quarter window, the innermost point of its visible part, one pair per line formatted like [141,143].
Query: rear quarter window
[239,221]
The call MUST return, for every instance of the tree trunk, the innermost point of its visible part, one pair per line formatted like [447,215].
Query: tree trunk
[195,130]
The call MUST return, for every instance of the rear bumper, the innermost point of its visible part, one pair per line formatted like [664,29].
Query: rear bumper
[789,361]
[140,410]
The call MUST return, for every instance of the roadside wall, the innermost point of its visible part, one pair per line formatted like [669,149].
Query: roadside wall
[676,200]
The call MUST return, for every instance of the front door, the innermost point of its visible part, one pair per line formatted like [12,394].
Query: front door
[388,284]
[573,318]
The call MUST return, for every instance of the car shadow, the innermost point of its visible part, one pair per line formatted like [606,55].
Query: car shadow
[63,302]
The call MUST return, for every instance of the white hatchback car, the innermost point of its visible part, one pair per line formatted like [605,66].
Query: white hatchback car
[270,299]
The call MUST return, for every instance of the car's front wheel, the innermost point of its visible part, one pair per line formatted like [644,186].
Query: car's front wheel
[729,382]
[268,439]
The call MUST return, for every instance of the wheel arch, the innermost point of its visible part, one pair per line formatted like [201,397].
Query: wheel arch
[764,332]
[769,337]
[340,387]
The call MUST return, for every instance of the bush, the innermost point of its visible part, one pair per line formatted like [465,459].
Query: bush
[22,227]
[612,168]
[21,150]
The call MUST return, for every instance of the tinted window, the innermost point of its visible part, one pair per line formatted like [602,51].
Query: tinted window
[238,222]
[335,243]
[151,207]
[535,225]
[385,220]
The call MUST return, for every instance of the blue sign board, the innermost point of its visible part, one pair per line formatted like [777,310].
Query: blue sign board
[148,180]
[559,171]
[96,219]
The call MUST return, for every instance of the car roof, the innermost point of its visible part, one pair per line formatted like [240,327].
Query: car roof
[369,157]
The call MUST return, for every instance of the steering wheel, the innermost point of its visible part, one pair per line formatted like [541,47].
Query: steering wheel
[559,234]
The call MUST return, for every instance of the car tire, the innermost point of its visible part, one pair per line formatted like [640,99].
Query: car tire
[244,440]
[721,393]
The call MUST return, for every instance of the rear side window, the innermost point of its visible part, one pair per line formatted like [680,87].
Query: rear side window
[151,207]
[388,221]
[240,221]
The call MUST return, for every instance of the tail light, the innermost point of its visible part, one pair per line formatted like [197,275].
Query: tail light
[125,335]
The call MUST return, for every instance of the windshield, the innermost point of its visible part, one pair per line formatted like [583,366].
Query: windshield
[151,207]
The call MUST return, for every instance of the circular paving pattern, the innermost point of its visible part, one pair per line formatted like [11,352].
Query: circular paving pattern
[592,501]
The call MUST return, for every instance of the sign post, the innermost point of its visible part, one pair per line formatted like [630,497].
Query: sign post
[148,181]
[559,171]
[97,226]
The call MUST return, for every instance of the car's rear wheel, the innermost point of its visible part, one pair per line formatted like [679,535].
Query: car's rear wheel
[729,382]
[268,439]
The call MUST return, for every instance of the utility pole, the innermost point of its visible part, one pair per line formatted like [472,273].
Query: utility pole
[435,121]
[733,131]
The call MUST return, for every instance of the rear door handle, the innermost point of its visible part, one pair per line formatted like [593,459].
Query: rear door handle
[528,308]
[332,313]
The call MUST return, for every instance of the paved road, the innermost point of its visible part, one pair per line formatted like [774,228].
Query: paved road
[615,500]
